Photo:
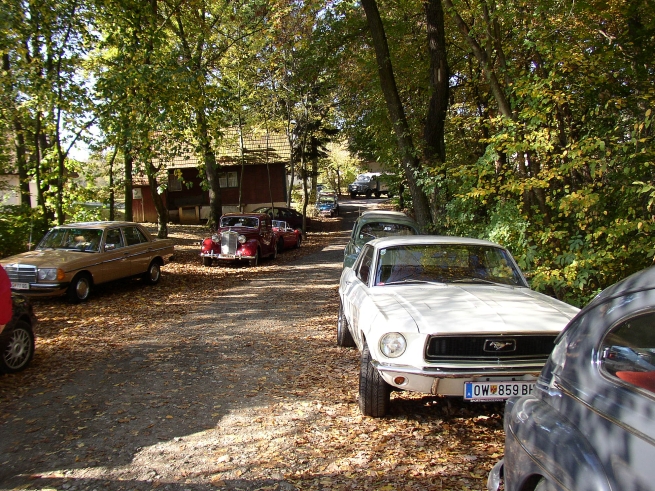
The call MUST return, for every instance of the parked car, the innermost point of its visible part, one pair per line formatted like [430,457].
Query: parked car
[71,259]
[590,422]
[289,215]
[369,184]
[17,338]
[241,237]
[327,205]
[447,316]
[287,236]
[373,224]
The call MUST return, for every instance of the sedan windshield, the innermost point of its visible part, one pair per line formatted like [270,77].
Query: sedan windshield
[446,263]
[74,239]
[249,222]
[374,230]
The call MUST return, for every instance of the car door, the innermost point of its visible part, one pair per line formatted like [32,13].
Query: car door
[115,262]
[357,292]
[139,249]
[267,236]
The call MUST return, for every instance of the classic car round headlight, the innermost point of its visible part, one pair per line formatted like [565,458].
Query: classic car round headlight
[393,344]
[47,274]
[216,238]
[242,239]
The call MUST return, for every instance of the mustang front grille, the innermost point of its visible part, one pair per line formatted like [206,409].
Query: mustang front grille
[489,348]
[229,242]
[20,273]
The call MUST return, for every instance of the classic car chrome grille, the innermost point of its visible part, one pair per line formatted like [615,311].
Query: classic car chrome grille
[19,273]
[229,242]
[488,348]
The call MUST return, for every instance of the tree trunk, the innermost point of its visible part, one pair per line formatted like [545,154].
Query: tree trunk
[397,112]
[162,211]
[129,165]
[439,79]
[211,171]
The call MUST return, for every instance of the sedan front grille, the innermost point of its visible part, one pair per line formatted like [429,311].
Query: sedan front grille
[489,348]
[19,273]
[229,242]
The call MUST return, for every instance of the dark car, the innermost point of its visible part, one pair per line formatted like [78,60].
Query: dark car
[590,422]
[17,338]
[373,225]
[289,215]
[241,237]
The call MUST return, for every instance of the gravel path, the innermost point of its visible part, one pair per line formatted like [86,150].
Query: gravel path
[247,391]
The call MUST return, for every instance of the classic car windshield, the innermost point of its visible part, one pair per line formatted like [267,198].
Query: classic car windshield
[363,178]
[250,222]
[374,230]
[74,239]
[446,263]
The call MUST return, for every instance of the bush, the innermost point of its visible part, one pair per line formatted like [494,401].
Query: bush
[19,225]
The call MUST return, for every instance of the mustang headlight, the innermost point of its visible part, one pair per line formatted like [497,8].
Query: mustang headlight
[242,239]
[393,344]
[50,274]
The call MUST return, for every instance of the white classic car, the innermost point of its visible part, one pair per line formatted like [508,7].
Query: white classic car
[446,316]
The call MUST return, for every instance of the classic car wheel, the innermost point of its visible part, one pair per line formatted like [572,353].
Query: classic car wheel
[374,392]
[299,241]
[544,485]
[369,193]
[153,275]
[255,260]
[353,195]
[16,347]
[274,255]
[206,261]
[377,194]
[280,244]
[79,289]
[344,337]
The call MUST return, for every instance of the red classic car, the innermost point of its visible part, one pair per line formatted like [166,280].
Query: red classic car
[287,236]
[241,237]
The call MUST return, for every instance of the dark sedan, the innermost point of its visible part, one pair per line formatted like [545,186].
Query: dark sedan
[590,423]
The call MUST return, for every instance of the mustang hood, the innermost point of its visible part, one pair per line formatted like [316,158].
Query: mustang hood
[475,309]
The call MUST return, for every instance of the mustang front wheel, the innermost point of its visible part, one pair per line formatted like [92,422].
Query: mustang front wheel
[16,347]
[374,392]
[344,337]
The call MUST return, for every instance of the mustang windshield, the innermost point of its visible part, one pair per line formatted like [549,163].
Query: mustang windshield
[249,222]
[446,263]
[74,239]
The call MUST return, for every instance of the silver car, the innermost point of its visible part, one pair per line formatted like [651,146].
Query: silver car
[590,423]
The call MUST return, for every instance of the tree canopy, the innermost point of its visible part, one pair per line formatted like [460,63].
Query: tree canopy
[527,123]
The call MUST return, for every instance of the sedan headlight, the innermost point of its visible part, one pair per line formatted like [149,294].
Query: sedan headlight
[50,274]
[393,344]
[242,239]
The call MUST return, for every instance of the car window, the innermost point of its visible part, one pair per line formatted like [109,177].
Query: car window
[364,266]
[133,236]
[446,263]
[373,230]
[75,239]
[628,351]
[114,239]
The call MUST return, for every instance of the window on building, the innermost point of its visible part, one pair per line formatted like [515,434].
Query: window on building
[228,180]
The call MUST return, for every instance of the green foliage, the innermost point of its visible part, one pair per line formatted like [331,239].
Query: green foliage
[17,226]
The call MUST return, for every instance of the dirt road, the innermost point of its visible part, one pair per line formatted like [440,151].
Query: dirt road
[230,380]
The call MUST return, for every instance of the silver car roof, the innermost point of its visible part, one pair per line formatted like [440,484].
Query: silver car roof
[400,240]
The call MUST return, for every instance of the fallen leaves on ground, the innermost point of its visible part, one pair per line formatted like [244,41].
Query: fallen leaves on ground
[244,405]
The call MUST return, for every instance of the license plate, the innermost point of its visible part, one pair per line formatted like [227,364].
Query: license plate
[20,286]
[227,256]
[496,391]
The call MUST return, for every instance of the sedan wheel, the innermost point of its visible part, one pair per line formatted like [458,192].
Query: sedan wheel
[344,337]
[374,392]
[79,289]
[153,275]
[16,347]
